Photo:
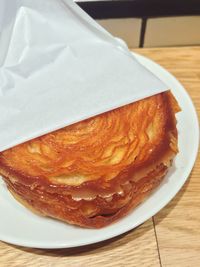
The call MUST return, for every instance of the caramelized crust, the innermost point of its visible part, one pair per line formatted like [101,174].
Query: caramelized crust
[93,172]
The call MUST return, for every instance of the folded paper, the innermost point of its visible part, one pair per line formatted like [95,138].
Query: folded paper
[58,66]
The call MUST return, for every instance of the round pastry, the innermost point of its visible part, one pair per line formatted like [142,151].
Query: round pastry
[95,171]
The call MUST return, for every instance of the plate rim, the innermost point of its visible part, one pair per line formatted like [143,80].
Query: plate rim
[123,228]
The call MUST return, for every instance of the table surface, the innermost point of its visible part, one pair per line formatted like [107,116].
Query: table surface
[171,237]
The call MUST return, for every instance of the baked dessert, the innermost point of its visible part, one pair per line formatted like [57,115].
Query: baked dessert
[94,172]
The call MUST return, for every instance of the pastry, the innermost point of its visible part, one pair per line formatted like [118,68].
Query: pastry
[94,172]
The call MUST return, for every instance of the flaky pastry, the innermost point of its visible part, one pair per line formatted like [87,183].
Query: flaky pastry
[94,172]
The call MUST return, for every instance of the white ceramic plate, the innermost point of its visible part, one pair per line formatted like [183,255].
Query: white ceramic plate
[20,226]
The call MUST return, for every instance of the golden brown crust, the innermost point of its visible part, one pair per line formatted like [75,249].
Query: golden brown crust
[105,211]
[93,172]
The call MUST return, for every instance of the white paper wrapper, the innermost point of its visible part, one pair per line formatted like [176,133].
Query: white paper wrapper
[58,66]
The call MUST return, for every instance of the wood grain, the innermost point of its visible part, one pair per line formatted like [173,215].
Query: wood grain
[127,250]
[171,238]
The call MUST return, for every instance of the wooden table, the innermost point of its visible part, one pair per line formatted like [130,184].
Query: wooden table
[171,238]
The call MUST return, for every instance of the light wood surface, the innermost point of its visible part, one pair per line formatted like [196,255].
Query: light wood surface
[171,238]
